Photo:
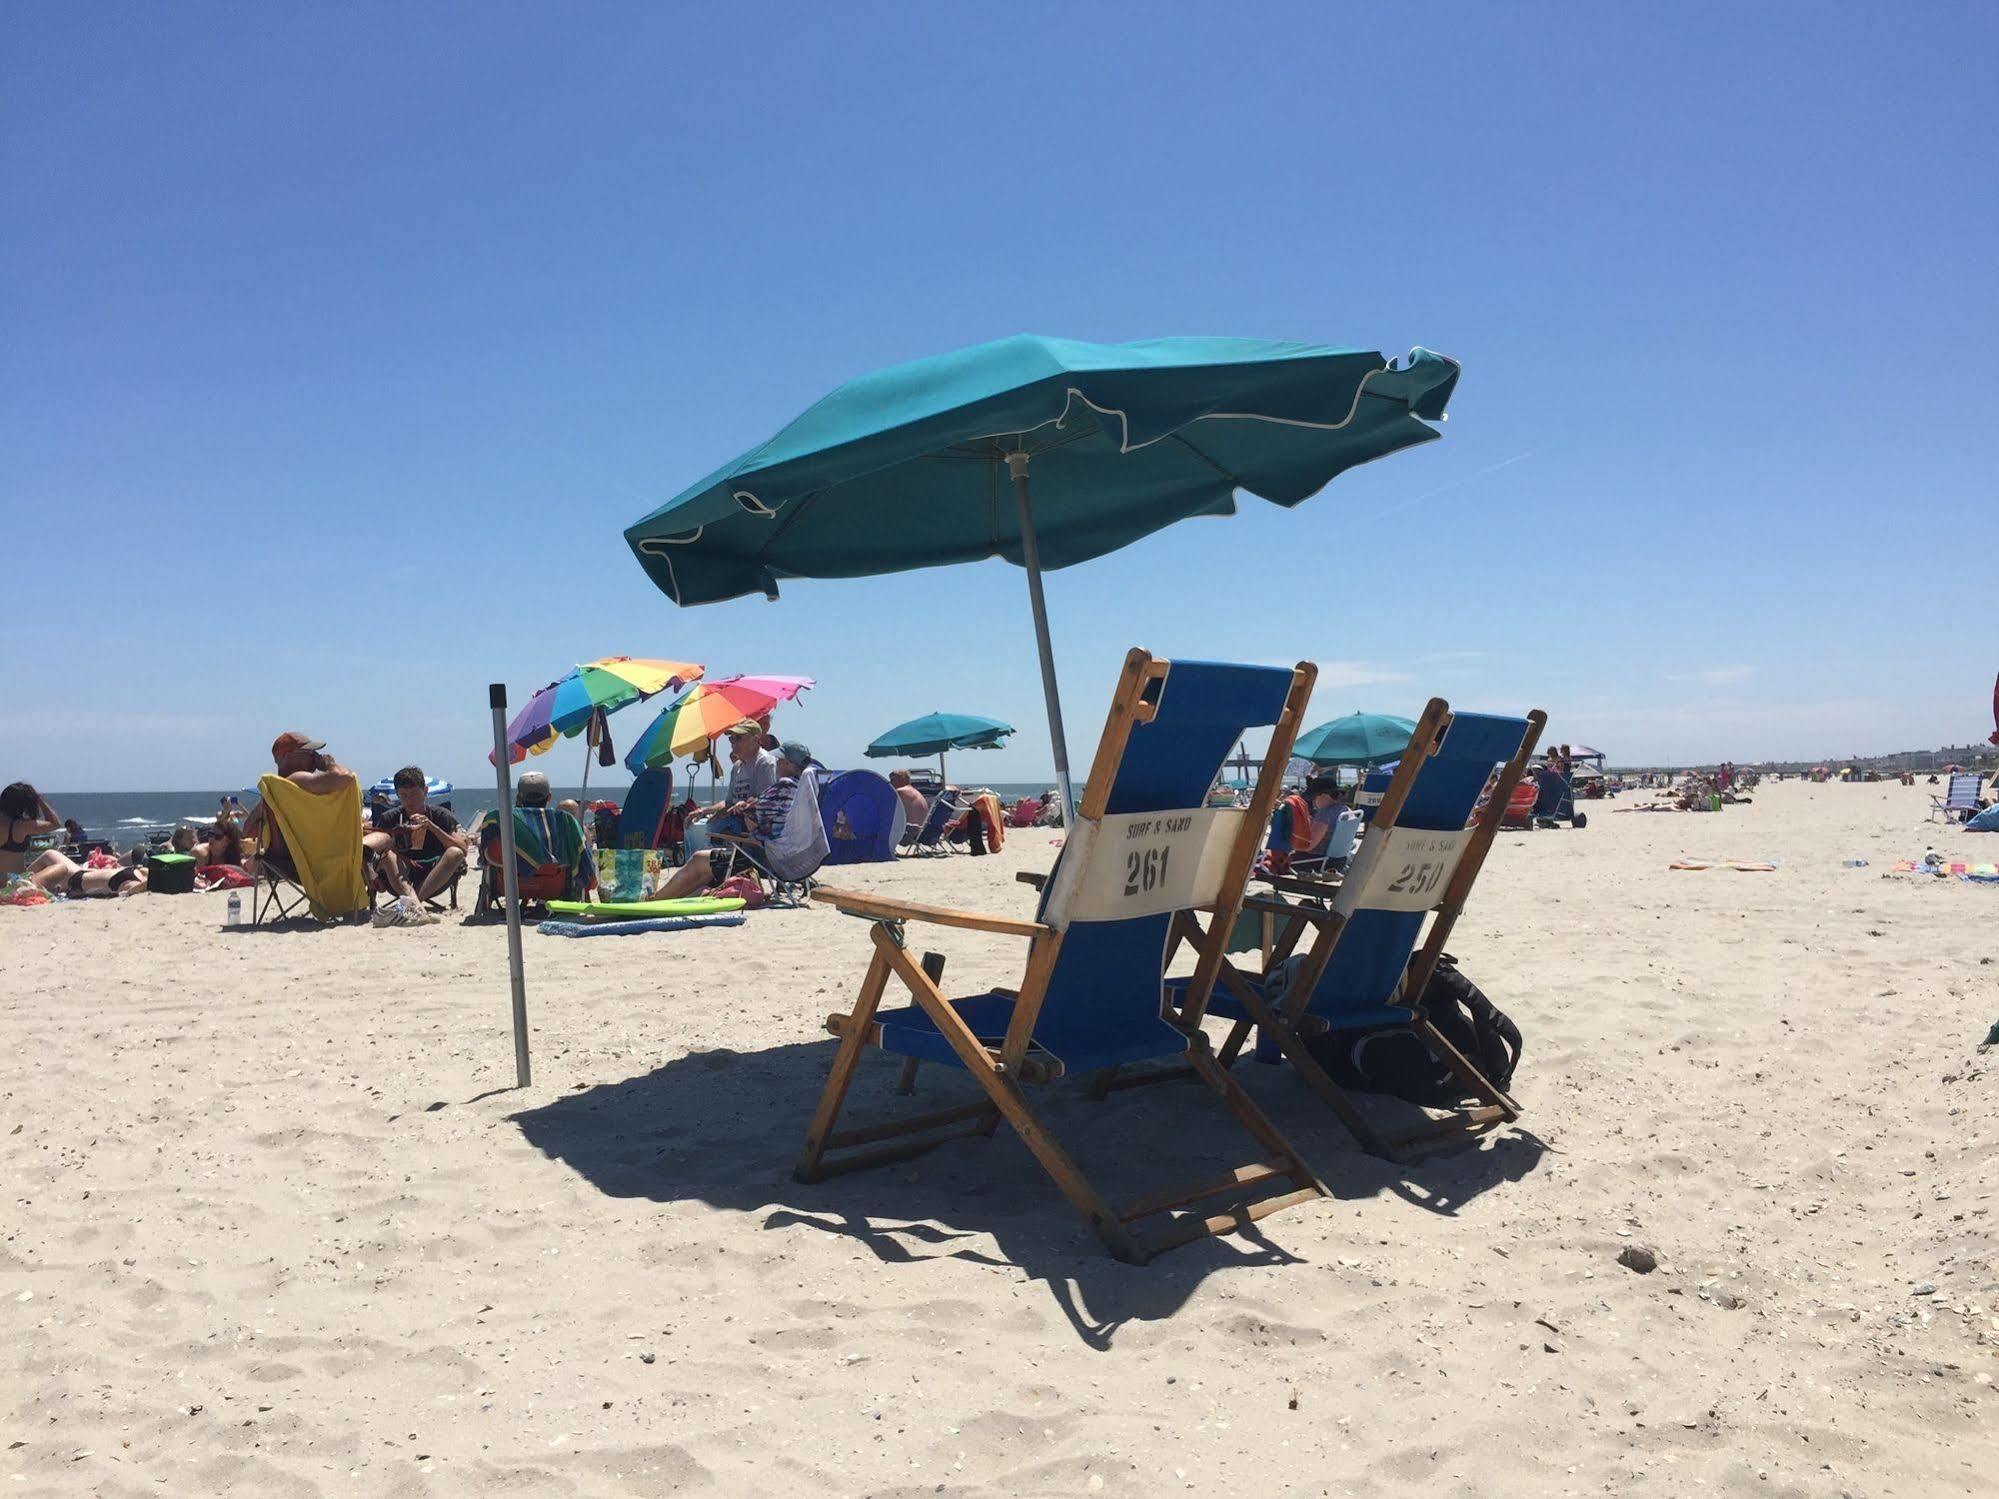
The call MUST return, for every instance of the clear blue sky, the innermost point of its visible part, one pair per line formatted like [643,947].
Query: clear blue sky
[339,343]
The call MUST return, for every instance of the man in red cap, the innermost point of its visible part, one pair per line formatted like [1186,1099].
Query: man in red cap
[302,760]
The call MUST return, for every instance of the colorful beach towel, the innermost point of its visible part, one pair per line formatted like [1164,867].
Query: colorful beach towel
[543,836]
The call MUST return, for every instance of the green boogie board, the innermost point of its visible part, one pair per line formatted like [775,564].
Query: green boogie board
[693,905]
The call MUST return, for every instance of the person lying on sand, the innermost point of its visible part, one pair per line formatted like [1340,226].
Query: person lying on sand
[28,816]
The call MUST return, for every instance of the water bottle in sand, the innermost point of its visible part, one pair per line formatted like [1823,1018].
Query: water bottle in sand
[235,910]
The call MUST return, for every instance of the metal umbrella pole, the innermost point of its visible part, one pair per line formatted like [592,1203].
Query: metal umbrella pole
[510,881]
[1030,556]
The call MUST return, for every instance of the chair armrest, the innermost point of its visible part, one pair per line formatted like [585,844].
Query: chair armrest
[1029,877]
[883,908]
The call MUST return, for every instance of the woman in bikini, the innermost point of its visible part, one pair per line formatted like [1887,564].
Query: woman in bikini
[26,815]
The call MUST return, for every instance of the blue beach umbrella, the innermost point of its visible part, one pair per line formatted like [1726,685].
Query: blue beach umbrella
[1043,451]
[934,733]
[435,788]
[1357,739]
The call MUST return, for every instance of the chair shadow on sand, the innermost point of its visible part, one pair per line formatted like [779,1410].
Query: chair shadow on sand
[724,1128]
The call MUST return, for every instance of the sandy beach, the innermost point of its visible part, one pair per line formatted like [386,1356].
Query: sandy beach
[278,1222]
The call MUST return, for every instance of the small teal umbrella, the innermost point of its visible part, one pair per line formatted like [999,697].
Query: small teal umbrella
[1357,739]
[914,465]
[934,733]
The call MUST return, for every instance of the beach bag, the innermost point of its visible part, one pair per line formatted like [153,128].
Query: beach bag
[1396,1061]
[1290,824]
[622,874]
[740,887]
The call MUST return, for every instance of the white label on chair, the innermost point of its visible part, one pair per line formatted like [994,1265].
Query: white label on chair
[1142,864]
[1400,869]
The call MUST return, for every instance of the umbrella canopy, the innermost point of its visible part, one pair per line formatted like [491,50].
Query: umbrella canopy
[433,786]
[699,716]
[911,466]
[1357,739]
[567,704]
[934,733]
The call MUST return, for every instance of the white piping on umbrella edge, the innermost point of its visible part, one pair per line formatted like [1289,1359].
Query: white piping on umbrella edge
[754,506]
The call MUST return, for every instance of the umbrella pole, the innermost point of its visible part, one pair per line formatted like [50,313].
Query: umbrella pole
[510,881]
[1030,556]
[941,777]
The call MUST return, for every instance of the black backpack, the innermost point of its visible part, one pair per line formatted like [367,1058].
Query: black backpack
[1396,1060]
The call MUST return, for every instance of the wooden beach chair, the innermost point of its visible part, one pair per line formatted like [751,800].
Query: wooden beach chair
[1142,852]
[1365,969]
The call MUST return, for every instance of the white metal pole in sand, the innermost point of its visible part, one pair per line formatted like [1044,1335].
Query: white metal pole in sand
[510,881]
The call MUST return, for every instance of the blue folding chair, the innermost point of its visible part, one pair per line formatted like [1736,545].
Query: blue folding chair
[929,838]
[1416,863]
[1143,854]
[1960,797]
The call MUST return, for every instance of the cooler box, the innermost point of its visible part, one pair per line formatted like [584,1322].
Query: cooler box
[170,874]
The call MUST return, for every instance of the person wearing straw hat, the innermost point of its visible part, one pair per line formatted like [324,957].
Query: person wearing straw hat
[752,772]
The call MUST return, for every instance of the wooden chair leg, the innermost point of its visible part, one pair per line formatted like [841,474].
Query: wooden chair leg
[905,1083]
[1316,1077]
[1250,1116]
[1462,1068]
[1232,1048]
[841,1077]
[1005,1093]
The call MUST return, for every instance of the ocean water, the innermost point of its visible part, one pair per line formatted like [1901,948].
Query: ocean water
[129,817]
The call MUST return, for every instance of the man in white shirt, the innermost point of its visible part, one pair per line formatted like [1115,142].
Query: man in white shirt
[752,772]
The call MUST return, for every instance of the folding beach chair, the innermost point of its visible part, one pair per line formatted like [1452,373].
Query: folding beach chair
[549,859]
[1364,971]
[929,838]
[1960,799]
[787,862]
[1143,852]
[322,866]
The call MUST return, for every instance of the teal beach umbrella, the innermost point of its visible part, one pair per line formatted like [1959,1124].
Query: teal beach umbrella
[1043,451]
[934,733]
[1357,739]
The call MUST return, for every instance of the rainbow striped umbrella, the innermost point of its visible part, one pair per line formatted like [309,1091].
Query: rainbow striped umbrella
[698,717]
[566,706]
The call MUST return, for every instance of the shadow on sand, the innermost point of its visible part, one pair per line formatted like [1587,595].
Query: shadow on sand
[723,1128]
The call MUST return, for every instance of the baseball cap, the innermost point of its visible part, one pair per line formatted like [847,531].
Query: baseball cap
[292,741]
[795,752]
[744,726]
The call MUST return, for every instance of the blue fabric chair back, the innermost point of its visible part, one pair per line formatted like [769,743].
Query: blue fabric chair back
[1105,992]
[645,808]
[1375,946]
